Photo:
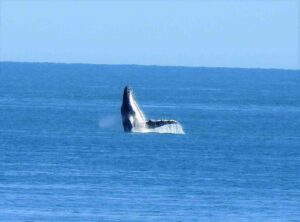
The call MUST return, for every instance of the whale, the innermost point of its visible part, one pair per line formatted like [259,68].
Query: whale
[134,119]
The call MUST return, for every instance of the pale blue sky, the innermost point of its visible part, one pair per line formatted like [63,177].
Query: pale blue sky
[220,33]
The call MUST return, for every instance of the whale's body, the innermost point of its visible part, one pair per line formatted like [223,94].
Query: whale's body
[134,120]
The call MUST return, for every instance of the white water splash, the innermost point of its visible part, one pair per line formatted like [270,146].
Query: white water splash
[108,121]
[174,128]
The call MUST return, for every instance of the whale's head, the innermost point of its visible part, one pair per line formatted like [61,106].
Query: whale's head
[127,110]
[132,116]
[126,95]
[127,106]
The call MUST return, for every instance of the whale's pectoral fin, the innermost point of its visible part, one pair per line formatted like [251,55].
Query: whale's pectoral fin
[157,123]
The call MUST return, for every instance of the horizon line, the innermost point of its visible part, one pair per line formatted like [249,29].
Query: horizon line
[163,66]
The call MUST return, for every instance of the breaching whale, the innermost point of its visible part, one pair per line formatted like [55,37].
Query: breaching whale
[134,120]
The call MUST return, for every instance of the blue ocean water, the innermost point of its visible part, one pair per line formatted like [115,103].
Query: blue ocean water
[64,156]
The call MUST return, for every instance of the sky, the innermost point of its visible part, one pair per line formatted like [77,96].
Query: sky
[219,33]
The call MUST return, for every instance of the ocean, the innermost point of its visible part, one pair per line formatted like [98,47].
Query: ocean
[64,155]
